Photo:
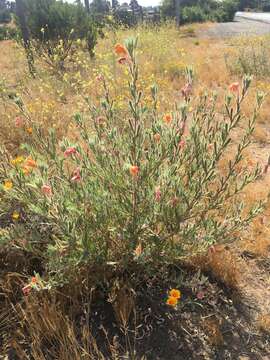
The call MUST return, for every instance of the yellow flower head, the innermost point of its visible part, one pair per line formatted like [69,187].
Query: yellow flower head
[175,294]
[15,215]
[172,301]
[18,160]
[8,185]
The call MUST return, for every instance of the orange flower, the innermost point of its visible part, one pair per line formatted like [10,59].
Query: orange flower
[30,163]
[134,170]
[33,280]
[120,50]
[174,201]
[182,144]
[19,122]
[234,87]
[157,194]
[100,77]
[172,301]
[186,90]
[157,137]
[26,289]
[167,118]
[29,130]
[26,170]
[174,293]
[123,60]
[138,250]
[46,190]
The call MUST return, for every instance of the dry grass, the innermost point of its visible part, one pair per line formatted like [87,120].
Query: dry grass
[221,263]
[212,327]
[50,333]
[263,322]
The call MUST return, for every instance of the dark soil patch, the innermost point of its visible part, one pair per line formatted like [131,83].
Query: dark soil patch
[209,323]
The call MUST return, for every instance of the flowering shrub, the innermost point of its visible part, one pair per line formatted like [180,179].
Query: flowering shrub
[135,186]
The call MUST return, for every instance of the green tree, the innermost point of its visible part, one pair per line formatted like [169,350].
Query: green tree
[87,5]
[99,9]
[5,15]
[55,25]
[21,16]
[200,10]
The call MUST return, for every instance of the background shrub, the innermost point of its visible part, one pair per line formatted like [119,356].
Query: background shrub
[225,11]
[99,9]
[191,14]
[5,12]
[124,17]
[8,33]
[200,11]
[54,26]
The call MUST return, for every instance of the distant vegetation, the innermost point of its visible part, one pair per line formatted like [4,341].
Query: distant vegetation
[129,14]
[201,10]
[211,10]
[5,11]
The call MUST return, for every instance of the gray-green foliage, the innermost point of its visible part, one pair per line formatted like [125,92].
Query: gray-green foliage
[133,187]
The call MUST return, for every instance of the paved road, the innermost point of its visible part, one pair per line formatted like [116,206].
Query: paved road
[262,17]
[245,24]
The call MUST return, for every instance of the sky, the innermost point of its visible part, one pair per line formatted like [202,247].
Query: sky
[141,2]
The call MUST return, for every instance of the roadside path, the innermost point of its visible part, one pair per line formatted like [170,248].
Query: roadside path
[261,17]
[245,24]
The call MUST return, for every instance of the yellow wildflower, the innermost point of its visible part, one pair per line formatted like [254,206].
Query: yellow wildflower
[18,160]
[8,185]
[15,215]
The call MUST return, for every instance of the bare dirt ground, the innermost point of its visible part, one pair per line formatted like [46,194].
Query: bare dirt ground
[240,27]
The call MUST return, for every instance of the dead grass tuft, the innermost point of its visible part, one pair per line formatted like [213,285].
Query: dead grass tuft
[221,263]
[49,333]
[212,327]
[122,299]
[263,322]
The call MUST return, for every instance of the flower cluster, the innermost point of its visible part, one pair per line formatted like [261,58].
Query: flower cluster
[174,297]
[122,51]
[32,285]
[25,164]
